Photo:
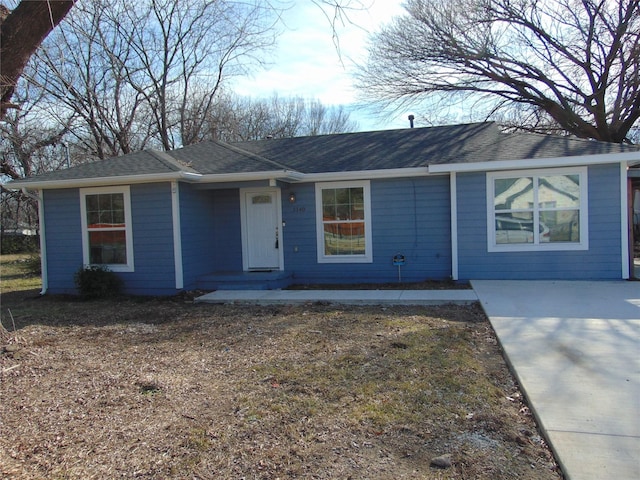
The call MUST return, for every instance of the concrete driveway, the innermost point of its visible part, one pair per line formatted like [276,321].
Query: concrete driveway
[575,349]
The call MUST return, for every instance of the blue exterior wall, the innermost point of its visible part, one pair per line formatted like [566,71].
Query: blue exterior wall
[211,236]
[601,261]
[196,218]
[63,238]
[227,245]
[152,240]
[409,217]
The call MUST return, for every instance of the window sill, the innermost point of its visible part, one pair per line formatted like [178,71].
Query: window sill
[549,247]
[345,259]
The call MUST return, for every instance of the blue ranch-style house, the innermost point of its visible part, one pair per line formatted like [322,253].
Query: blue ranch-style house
[455,202]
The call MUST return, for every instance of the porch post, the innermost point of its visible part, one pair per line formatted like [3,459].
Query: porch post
[43,244]
[454,225]
[177,236]
[627,253]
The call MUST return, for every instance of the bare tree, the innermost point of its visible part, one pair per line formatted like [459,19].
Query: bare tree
[21,33]
[127,71]
[81,69]
[28,146]
[194,42]
[234,119]
[574,64]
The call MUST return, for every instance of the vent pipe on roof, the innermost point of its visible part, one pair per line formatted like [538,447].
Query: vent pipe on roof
[411,118]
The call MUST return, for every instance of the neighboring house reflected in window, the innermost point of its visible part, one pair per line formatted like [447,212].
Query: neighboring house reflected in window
[542,209]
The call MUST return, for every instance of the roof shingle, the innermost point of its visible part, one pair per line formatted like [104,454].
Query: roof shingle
[348,152]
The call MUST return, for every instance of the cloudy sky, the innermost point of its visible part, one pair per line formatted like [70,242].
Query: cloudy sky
[306,62]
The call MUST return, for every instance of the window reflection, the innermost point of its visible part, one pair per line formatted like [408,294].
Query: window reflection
[106,229]
[537,209]
[343,218]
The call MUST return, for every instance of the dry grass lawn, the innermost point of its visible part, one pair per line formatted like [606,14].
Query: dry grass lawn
[157,389]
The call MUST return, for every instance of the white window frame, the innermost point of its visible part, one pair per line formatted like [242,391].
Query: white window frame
[583,244]
[124,190]
[367,257]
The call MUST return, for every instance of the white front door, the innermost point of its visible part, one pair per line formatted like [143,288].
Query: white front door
[261,233]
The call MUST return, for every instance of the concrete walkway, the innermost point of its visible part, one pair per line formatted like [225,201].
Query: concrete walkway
[349,297]
[575,349]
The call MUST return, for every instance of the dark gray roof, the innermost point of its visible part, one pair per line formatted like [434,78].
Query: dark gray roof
[420,147]
[363,151]
[146,162]
[387,149]
[220,158]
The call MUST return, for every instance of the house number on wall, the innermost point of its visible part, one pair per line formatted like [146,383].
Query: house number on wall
[299,209]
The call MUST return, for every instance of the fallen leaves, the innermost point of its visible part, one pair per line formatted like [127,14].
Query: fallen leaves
[161,389]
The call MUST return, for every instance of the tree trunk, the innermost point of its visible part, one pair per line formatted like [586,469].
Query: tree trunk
[21,33]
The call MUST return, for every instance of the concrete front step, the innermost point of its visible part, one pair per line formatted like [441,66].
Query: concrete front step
[270,280]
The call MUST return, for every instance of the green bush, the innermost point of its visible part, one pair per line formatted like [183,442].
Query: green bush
[19,244]
[97,282]
[33,265]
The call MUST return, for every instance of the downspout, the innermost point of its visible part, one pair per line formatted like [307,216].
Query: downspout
[43,244]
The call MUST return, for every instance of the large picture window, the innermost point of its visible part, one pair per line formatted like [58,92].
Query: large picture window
[106,228]
[537,210]
[343,222]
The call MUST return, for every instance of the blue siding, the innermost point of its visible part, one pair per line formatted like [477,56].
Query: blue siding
[601,261]
[152,240]
[211,236]
[63,237]
[409,217]
[196,217]
[227,246]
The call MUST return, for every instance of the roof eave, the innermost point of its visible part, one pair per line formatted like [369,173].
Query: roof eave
[104,181]
[284,175]
[528,163]
[366,174]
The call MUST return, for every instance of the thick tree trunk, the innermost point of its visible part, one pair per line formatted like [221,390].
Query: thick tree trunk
[21,33]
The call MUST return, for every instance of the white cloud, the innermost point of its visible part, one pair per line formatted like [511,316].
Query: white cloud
[307,63]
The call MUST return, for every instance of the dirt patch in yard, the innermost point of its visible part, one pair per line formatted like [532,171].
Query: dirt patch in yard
[169,389]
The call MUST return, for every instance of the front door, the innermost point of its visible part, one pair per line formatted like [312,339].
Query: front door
[261,234]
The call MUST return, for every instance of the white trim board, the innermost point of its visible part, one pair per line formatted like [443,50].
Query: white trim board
[529,163]
[177,235]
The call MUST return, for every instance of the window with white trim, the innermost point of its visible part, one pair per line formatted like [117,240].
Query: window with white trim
[537,210]
[106,227]
[343,222]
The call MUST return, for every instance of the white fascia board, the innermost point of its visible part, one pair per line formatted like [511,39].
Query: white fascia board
[624,223]
[104,181]
[285,175]
[366,174]
[528,163]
